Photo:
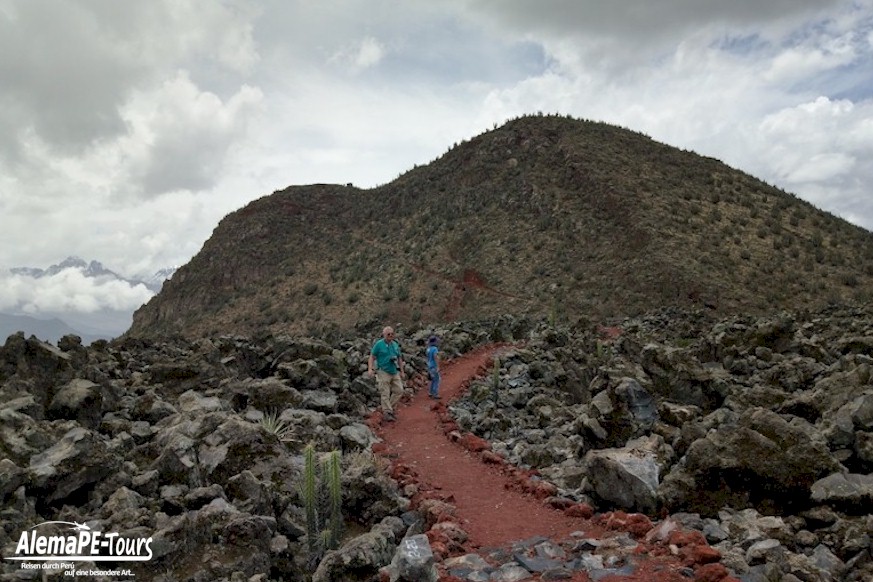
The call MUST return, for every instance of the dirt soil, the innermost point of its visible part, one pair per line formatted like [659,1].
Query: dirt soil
[460,484]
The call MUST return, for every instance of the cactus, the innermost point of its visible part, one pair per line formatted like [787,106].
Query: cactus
[309,497]
[335,497]
[321,496]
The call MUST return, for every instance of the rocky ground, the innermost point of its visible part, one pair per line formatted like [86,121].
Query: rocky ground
[754,432]
[488,520]
[757,433]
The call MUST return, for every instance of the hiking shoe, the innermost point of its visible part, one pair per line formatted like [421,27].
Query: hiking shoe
[435,396]
[389,417]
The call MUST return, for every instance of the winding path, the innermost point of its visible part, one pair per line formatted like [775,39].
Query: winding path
[497,505]
[491,512]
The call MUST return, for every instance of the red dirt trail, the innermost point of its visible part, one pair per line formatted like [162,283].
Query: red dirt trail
[460,484]
[491,513]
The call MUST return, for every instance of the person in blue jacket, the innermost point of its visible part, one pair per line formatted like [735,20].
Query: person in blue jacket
[433,366]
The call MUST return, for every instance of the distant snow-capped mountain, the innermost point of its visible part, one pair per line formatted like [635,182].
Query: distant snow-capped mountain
[95,269]
[101,310]
[92,269]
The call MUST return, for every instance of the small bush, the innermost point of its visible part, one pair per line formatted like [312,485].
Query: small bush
[849,280]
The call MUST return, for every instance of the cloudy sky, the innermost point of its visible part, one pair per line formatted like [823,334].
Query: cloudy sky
[129,129]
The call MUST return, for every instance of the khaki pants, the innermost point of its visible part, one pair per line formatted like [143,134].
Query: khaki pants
[390,389]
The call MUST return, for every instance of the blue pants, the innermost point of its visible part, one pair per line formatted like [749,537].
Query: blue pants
[434,382]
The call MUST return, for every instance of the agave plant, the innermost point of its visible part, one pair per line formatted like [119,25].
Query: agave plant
[274,424]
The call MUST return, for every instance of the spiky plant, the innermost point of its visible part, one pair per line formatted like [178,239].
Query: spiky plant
[272,422]
[335,497]
[321,496]
[325,541]
[309,498]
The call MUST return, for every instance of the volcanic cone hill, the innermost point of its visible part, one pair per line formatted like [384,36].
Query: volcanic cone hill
[546,215]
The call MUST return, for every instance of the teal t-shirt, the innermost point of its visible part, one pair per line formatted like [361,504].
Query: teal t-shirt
[387,355]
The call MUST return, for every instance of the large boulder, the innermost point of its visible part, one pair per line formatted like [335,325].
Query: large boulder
[267,394]
[850,378]
[319,400]
[624,409]
[196,450]
[80,459]
[679,377]
[762,459]
[236,445]
[848,491]
[20,435]
[249,494]
[80,400]
[639,402]
[356,436]
[11,478]
[37,367]
[627,477]
[173,452]
[216,542]
[323,372]
[363,556]
[413,561]
[368,494]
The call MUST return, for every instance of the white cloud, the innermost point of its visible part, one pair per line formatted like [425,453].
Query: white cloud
[68,67]
[223,31]
[99,114]
[822,148]
[368,53]
[69,291]
[180,135]
[799,63]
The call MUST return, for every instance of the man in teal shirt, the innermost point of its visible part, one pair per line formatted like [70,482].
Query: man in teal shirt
[386,362]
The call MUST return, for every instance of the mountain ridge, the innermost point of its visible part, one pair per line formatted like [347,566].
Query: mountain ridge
[545,215]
